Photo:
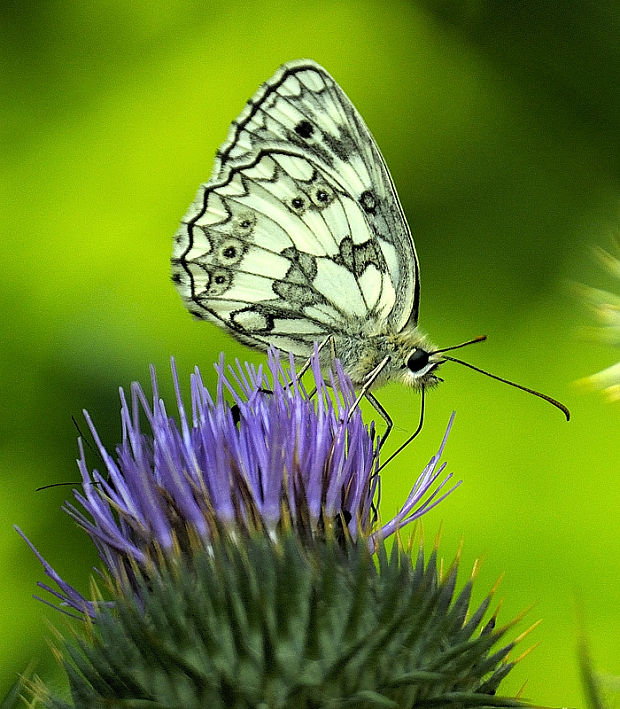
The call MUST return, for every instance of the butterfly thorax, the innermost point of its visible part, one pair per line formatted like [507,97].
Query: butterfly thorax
[410,358]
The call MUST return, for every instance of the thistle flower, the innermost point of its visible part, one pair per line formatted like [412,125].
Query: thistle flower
[247,567]
[274,458]
[606,307]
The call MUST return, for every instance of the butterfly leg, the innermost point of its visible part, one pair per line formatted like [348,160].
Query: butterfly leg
[411,437]
[365,390]
[306,366]
[389,424]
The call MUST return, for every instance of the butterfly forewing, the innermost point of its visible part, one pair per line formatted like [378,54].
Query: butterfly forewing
[299,233]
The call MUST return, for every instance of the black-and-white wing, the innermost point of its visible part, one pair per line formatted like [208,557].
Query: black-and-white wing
[299,232]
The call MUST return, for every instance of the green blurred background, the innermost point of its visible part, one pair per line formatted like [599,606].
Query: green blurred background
[500,122]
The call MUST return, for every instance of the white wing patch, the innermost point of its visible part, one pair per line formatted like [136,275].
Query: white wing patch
[299,233]
[338,285]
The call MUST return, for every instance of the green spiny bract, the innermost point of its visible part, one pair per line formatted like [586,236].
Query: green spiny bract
[281,625]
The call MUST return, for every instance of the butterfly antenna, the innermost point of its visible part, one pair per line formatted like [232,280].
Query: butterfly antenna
[47,487]
[550,399]
[411,437]
[85,439]
[88,445]
[480,338]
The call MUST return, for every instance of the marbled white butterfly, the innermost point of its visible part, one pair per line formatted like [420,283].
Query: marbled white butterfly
[299,236]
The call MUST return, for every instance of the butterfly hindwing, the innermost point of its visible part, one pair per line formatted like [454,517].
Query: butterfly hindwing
[299,233]
[281,251]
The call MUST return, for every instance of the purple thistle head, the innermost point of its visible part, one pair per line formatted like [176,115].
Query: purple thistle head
[275,458]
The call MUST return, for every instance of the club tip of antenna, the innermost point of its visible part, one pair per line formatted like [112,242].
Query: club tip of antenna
[540,395]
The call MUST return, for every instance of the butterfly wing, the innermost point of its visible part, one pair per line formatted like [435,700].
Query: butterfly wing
[299,232]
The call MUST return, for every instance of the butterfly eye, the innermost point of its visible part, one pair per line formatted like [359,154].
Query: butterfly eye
[418,359]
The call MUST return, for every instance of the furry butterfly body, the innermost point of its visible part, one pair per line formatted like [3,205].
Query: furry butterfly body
[299,236]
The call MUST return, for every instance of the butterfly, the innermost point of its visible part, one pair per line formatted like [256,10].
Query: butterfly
[299,237]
